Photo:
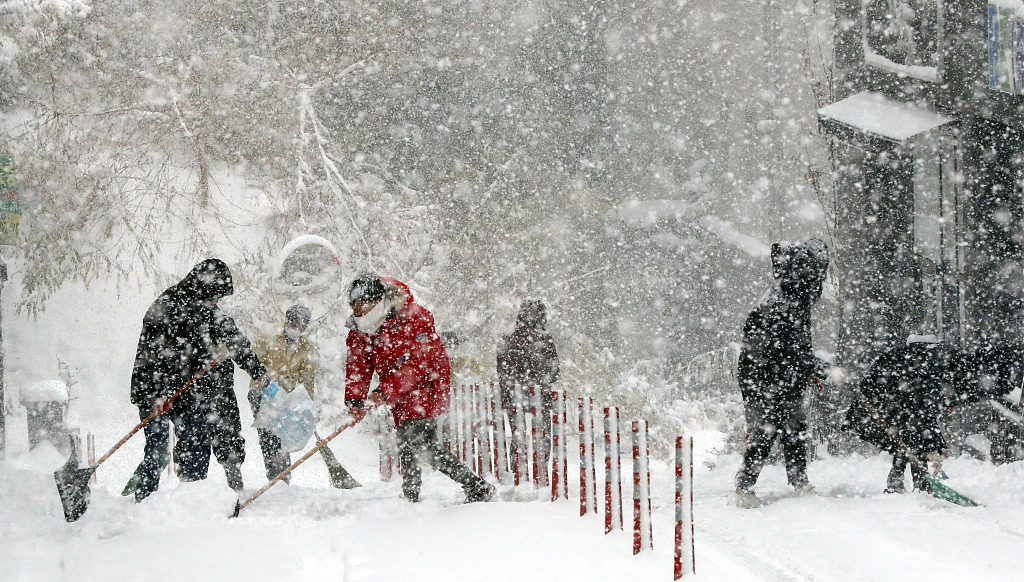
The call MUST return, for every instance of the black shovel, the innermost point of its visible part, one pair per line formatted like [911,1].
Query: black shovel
[73,483]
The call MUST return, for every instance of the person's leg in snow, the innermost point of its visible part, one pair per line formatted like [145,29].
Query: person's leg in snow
[761,434]
[793,441]
[418,437]
[191,449]
[274,459]
[225,426]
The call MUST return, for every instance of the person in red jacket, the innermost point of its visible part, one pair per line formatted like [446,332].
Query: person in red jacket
[393,336]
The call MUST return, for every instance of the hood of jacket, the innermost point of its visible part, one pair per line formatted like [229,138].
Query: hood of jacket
[209,280]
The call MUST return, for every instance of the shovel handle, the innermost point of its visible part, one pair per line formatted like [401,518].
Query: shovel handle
[157,411]
[892,432]
[321,444]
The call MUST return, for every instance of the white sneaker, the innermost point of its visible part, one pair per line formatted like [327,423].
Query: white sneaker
[745,499]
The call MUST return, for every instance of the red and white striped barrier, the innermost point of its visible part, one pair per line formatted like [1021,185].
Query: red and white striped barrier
[498,426]
[685,557]
[612,472]
[641,489]
[588,477]
[559,478]
[520,459]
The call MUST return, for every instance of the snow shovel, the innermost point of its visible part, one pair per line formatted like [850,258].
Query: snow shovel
[939,490]
[340,478]
[73,483]
[320,445]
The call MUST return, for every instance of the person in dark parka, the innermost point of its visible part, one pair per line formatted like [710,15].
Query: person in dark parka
[528,357]
[776,363]
[183,331]
[909,386]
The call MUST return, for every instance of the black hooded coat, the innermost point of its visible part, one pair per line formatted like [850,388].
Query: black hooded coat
[179,332]
[776,360]
[527,356]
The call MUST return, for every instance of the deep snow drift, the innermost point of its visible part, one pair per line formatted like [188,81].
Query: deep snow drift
[307,531]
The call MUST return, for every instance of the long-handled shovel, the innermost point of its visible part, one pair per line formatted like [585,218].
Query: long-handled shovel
[938,489]
[321,444]
[340,478]
[73,483]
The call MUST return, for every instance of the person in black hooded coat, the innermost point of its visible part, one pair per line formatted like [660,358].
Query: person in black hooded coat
[528,357]
[776,363]
[182,331]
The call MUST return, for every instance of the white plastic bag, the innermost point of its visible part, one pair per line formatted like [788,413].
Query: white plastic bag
[289,415]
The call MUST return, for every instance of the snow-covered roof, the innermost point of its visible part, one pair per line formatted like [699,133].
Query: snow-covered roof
[45,391]
[876,114]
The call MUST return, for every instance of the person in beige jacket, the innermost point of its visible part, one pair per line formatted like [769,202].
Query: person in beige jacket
[290,358]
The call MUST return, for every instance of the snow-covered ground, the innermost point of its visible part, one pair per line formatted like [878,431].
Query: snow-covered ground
[308,531]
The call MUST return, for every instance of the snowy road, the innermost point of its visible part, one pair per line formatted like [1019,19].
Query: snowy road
[309,532]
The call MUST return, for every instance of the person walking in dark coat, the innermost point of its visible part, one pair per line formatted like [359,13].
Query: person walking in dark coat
[394,337]
[527,357]
[776,364]
[182,332]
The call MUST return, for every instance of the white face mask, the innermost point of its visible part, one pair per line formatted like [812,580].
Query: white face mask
[371,322]
[292,334]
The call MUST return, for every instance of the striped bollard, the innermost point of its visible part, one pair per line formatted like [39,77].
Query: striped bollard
[483,451]
[464,423]
[532,393]
[612,472]
[90,443]
[386,459]
[641,489]
[542,442]
[557,444]
[685,558]
[171,467]
[521,470]
[501,453]
[564,426]
[588,478]
[473,447]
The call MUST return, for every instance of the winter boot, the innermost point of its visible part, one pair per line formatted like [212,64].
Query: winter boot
[803,490]
[234,475]
[482,492]
[745,498]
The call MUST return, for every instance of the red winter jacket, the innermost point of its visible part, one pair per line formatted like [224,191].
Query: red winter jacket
[407,355]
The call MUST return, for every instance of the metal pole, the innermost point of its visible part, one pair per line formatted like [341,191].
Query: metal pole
[3,407]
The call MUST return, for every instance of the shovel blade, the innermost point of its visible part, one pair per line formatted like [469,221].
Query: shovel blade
[73,488]
[947,493]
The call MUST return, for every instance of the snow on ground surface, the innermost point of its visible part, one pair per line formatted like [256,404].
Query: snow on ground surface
[310,532]
[307,531]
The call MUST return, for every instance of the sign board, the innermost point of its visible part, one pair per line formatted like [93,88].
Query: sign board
[10,207]
[1006,46]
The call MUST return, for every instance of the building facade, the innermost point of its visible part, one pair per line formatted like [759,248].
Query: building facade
[928,150]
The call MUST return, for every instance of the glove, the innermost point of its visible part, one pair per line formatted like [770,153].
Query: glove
[935,459]
[837,376]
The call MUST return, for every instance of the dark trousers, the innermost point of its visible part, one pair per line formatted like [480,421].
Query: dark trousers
[225,425]
[766,422]
[191,449]
[274,459]
[899,469]
[417,438]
